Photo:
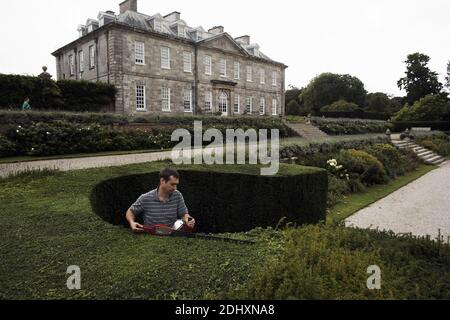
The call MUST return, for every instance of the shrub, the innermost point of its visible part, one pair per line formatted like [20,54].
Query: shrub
[61,137]
[437,143]
[363,166]
[293,108]
[324,262]
[391,158]
[430,108]
[351,126]
[241,199]
[317,153]
[337,189]
[7,147]
[340,106]
[47,94]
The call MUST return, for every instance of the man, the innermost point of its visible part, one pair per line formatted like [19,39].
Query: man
[164,205]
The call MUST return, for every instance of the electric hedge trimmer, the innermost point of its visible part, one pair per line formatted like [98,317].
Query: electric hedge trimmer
[166,231]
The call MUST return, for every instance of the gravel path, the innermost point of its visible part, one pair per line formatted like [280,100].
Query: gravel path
[421,208]
[10,169]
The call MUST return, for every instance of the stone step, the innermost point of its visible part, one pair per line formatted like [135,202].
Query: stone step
[439,161]
[432,159]
[424,153]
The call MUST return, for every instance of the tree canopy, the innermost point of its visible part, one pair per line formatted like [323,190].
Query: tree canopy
[327,88]
[419,80]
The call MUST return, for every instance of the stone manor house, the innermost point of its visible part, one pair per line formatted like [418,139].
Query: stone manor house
[160,65]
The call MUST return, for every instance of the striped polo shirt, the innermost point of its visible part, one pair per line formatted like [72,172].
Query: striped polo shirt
[153,211]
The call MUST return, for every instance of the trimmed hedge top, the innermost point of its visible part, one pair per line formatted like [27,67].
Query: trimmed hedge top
[226,198]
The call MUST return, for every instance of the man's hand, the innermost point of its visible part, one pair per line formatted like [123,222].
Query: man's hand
[189,221]
[136,227]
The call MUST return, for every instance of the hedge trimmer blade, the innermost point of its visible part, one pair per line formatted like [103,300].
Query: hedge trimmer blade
[166,231]
[210,237]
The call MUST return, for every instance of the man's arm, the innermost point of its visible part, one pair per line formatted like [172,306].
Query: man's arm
[185,218]
[131,218]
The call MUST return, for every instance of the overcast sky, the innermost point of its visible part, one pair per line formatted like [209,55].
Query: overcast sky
[365,38]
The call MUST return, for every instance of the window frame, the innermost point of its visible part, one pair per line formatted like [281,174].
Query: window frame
[237,102]
[136,52]
[185,95]
[208,65]
[274,107]
[164,98]
[165,60]
[237,70]
[81,61]
[187,64]
[223,68]
[142,97]
[274,78]
[71,65]
[249,74]
[262,76]
[92,57]
[249,105]
[262,106]
[208,99]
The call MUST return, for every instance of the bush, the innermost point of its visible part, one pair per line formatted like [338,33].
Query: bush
[351,126]
[293,108]
[61,137]
[393,161]
[7,147]
[437,143]
[80,96]
[324,262]
[363,166]
[27,118]
[340,106]
[241,199]
[317,153]
[337,189]
[430,108]
[47,94]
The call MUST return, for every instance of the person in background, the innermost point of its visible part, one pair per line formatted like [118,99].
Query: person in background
[26,105]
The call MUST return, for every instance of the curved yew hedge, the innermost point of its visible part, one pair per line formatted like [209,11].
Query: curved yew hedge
[226,198]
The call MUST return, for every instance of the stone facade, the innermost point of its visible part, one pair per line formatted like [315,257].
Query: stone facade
[114,61]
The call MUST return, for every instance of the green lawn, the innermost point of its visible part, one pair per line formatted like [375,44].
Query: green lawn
[47,225]
[356,202]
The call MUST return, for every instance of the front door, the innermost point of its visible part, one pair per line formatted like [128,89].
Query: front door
[223,104]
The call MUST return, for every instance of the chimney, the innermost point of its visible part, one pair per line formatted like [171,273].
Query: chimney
[130,5]
[172,17]
[243,40]
[216,30]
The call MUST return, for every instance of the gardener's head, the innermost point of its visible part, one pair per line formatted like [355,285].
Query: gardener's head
[169,180]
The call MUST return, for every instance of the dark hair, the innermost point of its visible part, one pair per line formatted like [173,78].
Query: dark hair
[167,173]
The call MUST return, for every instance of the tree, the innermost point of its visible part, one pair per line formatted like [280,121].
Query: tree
[294,105]
[420,80]
[329,87]
[448,76]
[293,108]
[430,108]
[378,102]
